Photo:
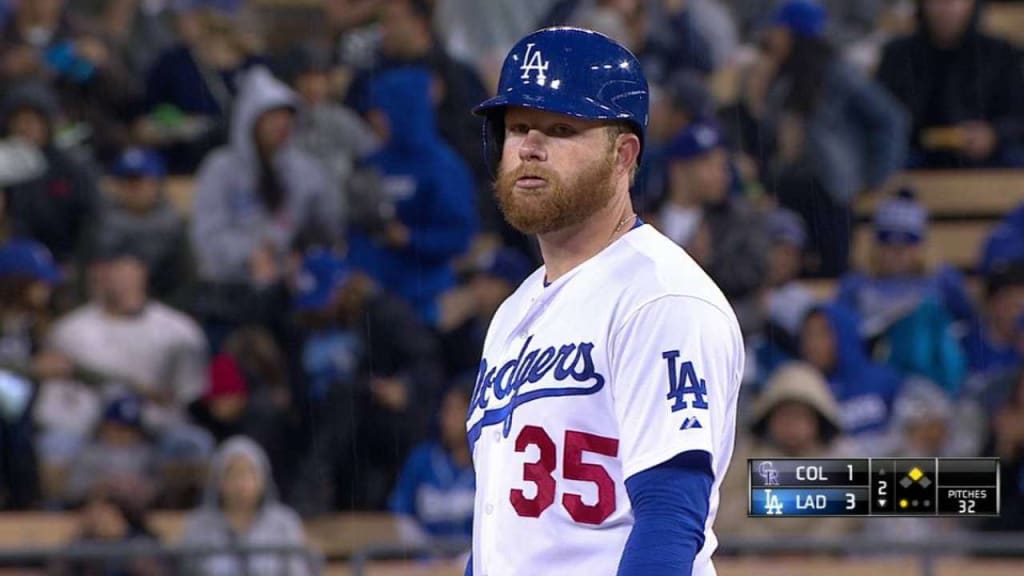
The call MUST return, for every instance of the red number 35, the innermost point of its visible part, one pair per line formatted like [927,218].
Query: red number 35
[539,473]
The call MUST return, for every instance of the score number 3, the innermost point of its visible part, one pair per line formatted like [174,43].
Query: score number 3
[540,474]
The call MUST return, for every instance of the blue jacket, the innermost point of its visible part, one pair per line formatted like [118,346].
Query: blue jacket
[433,190]
[865,390]
[437,492]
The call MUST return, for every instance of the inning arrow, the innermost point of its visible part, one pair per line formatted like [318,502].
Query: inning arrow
[881,502]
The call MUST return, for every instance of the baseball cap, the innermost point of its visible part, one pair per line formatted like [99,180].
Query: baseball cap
[786,226]
[901,220]
[506,264]
[124,410]
[28,258]
[804,18]
[696,140]
[139,162]
[322,272]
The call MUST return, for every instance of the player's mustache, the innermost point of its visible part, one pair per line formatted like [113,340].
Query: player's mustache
[527,171]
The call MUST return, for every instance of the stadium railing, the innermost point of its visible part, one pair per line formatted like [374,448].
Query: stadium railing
[177,557]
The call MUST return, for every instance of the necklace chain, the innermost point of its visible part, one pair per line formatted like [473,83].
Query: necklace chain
[620,225]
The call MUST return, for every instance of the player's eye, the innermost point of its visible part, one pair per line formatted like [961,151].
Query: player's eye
[518,129]
[562,130]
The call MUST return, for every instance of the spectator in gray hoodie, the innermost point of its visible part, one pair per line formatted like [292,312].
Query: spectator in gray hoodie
[240,509]
[258,196]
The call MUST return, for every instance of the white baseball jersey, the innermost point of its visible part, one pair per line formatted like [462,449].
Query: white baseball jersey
[629,359]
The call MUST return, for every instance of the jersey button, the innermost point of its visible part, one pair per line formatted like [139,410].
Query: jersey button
[489,509]
[497,436]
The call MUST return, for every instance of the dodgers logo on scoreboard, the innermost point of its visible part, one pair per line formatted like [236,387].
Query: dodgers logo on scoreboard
[772,504]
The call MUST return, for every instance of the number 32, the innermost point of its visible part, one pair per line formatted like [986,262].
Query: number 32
[540,474]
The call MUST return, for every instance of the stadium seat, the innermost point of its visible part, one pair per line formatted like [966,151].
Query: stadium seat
[960,194]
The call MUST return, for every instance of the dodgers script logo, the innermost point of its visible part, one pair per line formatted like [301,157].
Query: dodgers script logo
[500,389]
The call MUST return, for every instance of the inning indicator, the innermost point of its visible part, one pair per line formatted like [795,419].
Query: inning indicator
[873,487]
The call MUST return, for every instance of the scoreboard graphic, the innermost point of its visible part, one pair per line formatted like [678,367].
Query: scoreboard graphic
[873,487]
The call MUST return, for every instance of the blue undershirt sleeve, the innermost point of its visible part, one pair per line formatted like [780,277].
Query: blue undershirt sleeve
[670,505]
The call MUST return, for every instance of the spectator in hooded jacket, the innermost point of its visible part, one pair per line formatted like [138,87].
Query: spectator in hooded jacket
[964,89]
[260,195]
[431,190]
[822,133]
[56,207]
[240,508]
[408,39]
[829,341]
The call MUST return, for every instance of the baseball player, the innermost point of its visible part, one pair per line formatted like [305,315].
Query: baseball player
[603,415]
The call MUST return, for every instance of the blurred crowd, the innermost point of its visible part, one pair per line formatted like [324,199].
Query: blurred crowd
[304,338]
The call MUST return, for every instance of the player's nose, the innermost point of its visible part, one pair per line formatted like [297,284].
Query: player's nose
[533,147]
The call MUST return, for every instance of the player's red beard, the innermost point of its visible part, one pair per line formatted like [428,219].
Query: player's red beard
[558,205]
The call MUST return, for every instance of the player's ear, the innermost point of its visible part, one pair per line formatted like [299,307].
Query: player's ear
[627,151]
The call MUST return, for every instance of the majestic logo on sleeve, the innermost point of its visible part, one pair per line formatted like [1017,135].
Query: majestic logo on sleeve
[500,389]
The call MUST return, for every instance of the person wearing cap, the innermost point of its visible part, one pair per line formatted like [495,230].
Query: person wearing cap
[795,416]
[28,276]
[907,307]
[721,232]
[821,131]
[120,455]
[785,301]
[260,197]
[138,214]
[372,372]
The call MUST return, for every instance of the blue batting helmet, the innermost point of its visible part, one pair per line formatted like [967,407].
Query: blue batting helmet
[569,71]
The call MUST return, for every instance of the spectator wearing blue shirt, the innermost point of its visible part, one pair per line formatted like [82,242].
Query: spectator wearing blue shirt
[431,189]
[904,305]
[865,390]
[434,493]
[994,341]
[1005,244]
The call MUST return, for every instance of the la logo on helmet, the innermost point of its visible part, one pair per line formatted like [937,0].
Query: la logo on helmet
[534,62]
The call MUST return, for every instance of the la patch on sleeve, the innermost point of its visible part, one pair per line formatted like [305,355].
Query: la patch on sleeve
[685,388]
